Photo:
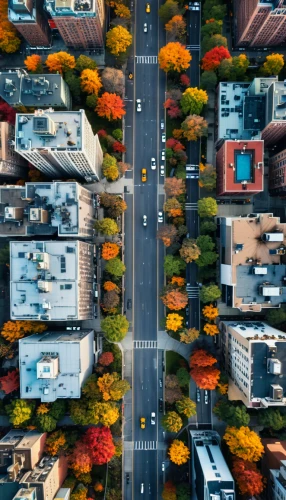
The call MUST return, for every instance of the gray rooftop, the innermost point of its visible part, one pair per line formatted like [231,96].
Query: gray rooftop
[248,284]
[22,11]
[230,111]
[78,8]
[261,377]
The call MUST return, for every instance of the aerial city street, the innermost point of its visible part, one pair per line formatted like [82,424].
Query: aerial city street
[142,250]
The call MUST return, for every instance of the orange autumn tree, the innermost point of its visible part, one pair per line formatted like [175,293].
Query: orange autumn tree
[15,330]
[80,461]
[176,26]
[169,491]
[210,329]
[213,58]
[201,358]
[173,207]
[194,127]
[175,300]
[110,106]
[168,234]
[177,280]
[109,251]
[174,322]
[179,453]
[55,442]
[10,382]
[174,57]
[90,81]
[249,480]
[174,187]
[109,286]
[244,443]
[210,312]
[60,62]
[33,63]
[9,41]
[203,372]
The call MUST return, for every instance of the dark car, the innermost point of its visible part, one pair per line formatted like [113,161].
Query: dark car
[198,395]
[127,478]
[129,304]
[160,405]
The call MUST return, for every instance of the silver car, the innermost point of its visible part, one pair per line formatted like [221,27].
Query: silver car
[144,220]
[153,164]
[162,170]
[153,418]
[163,155]
[160,216]
[145,28]
[138,105]
[164,137]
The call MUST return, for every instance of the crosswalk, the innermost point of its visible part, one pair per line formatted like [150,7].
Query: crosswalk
[146,59]
[145,344]
[145,445]
[191,206]
[192,291]
[193,47]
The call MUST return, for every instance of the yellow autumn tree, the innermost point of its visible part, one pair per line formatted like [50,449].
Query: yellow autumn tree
[178,452]
[174,57]
[60,62]
[210,329]
[33,63]
[210,312]
[177,280]
[118,39]
[9,41]
[174,322]
[244,443]
[189,336]
[122,11]
[109,251]
[42,409]
[90,81]
[55,442]
[222,388]
[15,330]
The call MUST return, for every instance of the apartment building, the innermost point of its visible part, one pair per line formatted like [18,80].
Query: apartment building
[277,173]
[51,280]
[210,472]
[18,88]
[240,168]
[252,261]
[254,354]
[278,482]
[30,19]
[80,22]
[55,365]
[59,143]
[66,209]
[11,163]
[275,452]
[260,23]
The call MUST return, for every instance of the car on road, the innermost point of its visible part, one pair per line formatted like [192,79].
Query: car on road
[138,105]
[144,175]
[162,125]
[153,418]
[160,405]
[160,382]
[127,478]
[129,304]
[142,422]
[142,488]
[163,155]
[206,397]
[162,170]
[148,8]
[145,28]
[198,395]
[144,220]
[160,216]
[153,164]
[164,137]
[163,466]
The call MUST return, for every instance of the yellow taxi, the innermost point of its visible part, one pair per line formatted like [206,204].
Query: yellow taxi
[148,8]
[142,422]
[144,175]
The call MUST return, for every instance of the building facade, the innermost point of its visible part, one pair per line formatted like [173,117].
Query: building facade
[277,174]
[240,168]
[51,280]
[30,20]
[55,365]
[18,88]
[260,23]
[60,144]
[66,209]
[278,482]
[11,163]
[210,472]
[80,22]
[252,268]
[254,354]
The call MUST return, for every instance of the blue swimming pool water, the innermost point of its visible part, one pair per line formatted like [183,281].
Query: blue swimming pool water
[243,167]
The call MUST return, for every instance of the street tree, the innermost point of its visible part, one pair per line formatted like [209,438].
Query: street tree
[122,11]
[90,81]
[200,357]
[273,64]
[186,407]
[233,415]
[209,293]
[115,267]
[173,391]
[110,300]
[183,377]
[207,227]
[208,80]
[213,58]
[99,443]
[110,169]
[194,127]
[168,234]
[210,312]
[211,329]
[193,101]
[276,316]
[249,480]
[179,453]
[174,57]
[115,204]
[110,106]
[205,378]
[271,418]
[212,27]
[189,335]
[15,330]
[56,443]
[175,300]
[34,63]
[168,10]
[5,256]
[176,28]
[106,226]
[244,443]
[106,358]
[10,382]
[174,322]
[169,491]
[207,177]
[217,40]
[214,10]
[109,250]
[174,187]
[172,422]
[173,207]
[45,423]
[207,207]
[189,251]
[84,62]
[115,327]
[113,80]
[20,412]
[60,62]
[9,41]
[118,39]
[173,265]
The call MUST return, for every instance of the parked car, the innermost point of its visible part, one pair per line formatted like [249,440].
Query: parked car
[129,304]
[198,395]
[163,155]
[206,397]
[153,164]
[160,405]
[162,125]
[163,466]
[160,382]
[127,478]
[160,216]
[162,170]
[164,137]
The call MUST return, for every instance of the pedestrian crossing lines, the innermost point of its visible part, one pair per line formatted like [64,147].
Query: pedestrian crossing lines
[145,445]
[146,59]
[145,344]
[191,206]
[193,47]
[192,291]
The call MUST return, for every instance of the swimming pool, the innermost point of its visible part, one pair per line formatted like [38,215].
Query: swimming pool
[243,167]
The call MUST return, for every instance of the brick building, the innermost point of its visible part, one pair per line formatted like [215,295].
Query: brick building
[31,21]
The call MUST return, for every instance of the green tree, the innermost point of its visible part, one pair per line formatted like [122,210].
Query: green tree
[240,65]
[84,62]
[208,177]
[186,407]
[5,256]
[207,256]
[73,82]
[91,101]
[78,411]
[90,388]
[209,293]
[211,28]
[225,69]
[106,226]
[173,265]
[207,227]
[58,409]
[183,377]
[276,316]
[214,10]
[208,80]
[45,423]
[115,327]
[172,422]
[168,10]
[272,418]
[117,134]
[207,207]
[234,416]
[193,101]
[273,64]
[209,43]
[183,491]
[20,412]
[115,267]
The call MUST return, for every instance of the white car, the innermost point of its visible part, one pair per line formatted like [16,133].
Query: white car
[206,397]
[163,155]
[153,418]
[163,466]
[138,105]
[164,137]
[162,170]
[162,125]
[153,164]
[144,220]
[160,216]
[145,28]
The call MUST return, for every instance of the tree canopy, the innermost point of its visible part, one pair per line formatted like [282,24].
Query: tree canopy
[118,39]
[233,415]
[115,327]
[174,57]
[193,101]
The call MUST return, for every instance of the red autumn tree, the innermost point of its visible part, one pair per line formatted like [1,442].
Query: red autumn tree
[213,58]
[201,358]
[99,444]
[173,109]
[249,480]
[110,106]
[118,147]
[102,133]
[205,377]
[7,114]
[80,461]
[106,359]
[10,382]
[175,300]
[184,80]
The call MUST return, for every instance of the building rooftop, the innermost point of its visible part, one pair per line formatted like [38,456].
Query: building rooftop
[57,130]
[78,8]
[230,111]
[40,473]
[22,11]
[255,330]
[276,105]
[13,437]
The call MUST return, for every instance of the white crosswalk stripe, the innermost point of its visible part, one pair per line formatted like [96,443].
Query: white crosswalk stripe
[193,47]
[191,206]
[146,59]
[145,344]
[145,445]
[192,291]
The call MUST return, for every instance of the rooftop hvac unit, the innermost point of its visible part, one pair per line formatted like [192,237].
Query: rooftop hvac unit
[276,392]
[274,366]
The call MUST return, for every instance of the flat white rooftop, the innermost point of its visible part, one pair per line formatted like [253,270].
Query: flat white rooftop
[249,329]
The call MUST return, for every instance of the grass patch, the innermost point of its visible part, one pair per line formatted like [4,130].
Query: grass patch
[174,361]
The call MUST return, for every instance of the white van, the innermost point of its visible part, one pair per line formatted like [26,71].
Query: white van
[142,488]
